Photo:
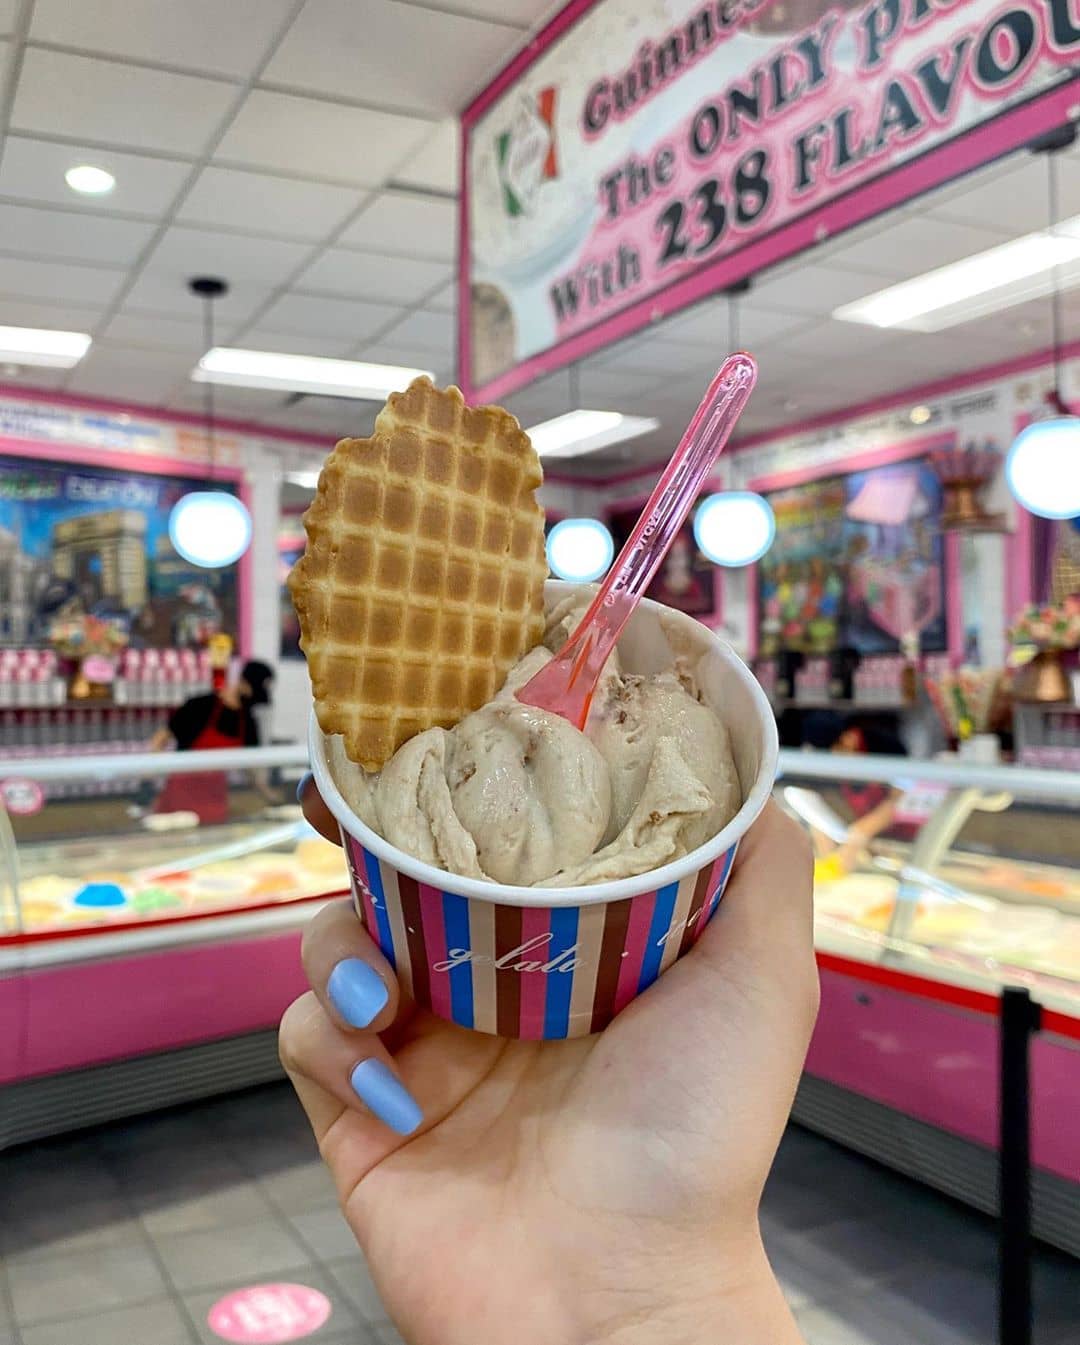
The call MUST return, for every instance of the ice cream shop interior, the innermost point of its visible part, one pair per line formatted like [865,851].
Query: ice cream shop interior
[233,236]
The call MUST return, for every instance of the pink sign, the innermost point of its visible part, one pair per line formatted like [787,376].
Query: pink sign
[636,157]
[267,1314]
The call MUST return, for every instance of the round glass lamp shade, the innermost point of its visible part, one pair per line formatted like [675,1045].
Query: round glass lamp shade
[210,528]
[1043,467]
[734,527]
[580,550]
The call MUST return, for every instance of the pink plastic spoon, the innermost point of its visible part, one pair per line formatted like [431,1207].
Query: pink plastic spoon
[565,686]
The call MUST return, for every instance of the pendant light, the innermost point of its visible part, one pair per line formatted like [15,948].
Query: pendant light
[210,528]
[734,528]
[1042,468]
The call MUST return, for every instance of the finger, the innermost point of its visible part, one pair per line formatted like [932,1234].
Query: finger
[315,810]
[335,1072]
[353,981]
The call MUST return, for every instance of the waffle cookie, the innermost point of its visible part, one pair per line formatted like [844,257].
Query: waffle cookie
[422,581]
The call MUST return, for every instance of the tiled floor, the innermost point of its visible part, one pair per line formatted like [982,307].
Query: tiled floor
[131,1233]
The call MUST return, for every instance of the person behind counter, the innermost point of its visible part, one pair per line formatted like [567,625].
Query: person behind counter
[219,719]
[873,805]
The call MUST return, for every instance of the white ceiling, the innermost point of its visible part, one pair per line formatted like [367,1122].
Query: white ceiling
[306,150]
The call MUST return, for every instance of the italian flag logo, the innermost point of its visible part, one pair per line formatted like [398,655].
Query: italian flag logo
[526,154]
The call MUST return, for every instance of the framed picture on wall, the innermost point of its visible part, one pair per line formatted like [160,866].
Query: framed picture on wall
[686,580]
[858,562]
[290,544]
[78,542]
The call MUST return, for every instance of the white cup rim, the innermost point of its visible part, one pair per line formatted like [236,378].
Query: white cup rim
[478,889]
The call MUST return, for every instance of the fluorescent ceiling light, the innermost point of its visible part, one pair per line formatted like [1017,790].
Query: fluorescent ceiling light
[586,431]
[90,181]
[986,282]
[40,345]
[309,480]
[302,373]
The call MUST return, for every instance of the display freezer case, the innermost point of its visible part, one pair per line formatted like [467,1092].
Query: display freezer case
[145,958]
[936,885]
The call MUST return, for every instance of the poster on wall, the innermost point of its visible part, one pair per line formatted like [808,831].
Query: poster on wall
[686,579]
[858,562]
[80,543]
[644,153]
[291,542]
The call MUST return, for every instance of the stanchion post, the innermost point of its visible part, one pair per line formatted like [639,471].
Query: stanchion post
[1020,1017]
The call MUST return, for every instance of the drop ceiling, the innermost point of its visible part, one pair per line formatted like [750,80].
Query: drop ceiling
[306,150]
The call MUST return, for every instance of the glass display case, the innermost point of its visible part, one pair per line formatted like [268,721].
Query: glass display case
[936,885]
[147,952]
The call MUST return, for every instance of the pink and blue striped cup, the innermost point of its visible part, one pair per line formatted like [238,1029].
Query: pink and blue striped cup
[535,962]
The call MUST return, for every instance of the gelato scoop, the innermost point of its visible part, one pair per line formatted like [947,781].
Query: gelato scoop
[519,796]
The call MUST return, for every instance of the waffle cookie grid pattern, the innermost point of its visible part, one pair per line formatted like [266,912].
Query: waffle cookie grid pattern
[422,581]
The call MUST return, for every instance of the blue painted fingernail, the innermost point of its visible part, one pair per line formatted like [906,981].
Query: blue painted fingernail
[380,1089]
[302,786]
[357,991]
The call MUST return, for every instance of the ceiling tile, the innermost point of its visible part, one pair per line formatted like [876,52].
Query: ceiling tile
[228,198]
[165,291]
[31,376]
[438,365]
[154,331]
[34,170]
[436,164]
[406,224]
[525,13]
[206,35]
[444,300]
[128,372]
[911,246]
[423,330]
[833,340]
[5,51]
[60,316]
[8,10]
[815,288]
[399,280]
[24,279]
[267,263]
[72,235]
[392,55]
[80,97]
[316,316]
[345,144]
[1016,202]
[330,344]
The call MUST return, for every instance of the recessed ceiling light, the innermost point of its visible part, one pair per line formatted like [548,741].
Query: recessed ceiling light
[42,345]
[580,549]
[582,431]
[919,415]
[975,286]
[302,373]
[90,181]
[734,527]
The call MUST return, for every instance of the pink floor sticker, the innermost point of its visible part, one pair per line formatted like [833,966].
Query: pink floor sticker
[266,1314]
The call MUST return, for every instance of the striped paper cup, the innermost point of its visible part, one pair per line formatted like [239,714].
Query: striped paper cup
[536,962]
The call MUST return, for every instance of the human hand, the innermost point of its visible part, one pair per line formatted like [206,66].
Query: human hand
[603,1189]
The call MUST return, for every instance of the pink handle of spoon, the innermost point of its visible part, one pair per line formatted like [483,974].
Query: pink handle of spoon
[565,686]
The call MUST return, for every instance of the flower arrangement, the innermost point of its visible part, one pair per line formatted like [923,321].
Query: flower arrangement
[1049,626]
[76,635]
[964,699]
